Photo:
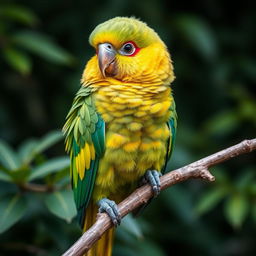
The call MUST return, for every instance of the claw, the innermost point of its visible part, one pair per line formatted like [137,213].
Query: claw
[153,177]
[110,207]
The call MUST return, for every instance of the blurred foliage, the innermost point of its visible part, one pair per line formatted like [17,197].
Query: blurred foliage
[43,49]
[27,165]
[17,43]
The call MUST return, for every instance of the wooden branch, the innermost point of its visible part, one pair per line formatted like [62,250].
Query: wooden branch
[198,169]
[40,188]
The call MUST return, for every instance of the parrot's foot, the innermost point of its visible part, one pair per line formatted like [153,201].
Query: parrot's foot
[110,207]
[153,178]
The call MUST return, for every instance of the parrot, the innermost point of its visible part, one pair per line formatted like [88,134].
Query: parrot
[121,128]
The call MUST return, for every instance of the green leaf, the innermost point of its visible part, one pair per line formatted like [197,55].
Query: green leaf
[48,140]
[149,248]
[246,179]
[19,14]
[27,150]
[254,212]
[236,210]
[20,176]
[5,177]
[18,60]
[61,178]
[252,188]
[12,209]
[8,157]
[198,34]
[30,148]
[62,205]
[43,46]
[223,123]
[209,200]
[51,166]
[247,109]
[221,175]
[131,226]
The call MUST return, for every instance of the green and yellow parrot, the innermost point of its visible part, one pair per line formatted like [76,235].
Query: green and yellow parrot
[122,124]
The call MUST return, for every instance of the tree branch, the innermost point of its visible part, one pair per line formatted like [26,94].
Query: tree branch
[198,169]
[40,188]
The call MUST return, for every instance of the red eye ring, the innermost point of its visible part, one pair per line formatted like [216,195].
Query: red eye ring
[129,49]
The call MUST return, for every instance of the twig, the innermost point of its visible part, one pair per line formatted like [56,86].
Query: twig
[198,169]
[40,188]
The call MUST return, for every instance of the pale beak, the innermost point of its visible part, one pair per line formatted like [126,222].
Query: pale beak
[107,59]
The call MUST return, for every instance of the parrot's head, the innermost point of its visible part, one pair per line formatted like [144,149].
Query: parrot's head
[129,51]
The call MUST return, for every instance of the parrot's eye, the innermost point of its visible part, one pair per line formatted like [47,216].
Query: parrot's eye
[128,49]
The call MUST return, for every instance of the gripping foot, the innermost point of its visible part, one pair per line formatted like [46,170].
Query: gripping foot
[153,178]
[110,207]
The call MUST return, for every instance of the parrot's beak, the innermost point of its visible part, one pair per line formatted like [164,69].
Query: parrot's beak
[107,59]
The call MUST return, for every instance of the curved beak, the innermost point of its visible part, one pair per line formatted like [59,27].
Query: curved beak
[107,59]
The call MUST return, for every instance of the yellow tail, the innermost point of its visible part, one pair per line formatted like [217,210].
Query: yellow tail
[104,246]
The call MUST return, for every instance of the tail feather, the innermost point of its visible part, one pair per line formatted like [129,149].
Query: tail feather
[103,247]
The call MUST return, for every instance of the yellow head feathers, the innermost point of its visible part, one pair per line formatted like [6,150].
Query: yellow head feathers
[122,29]
[128,51]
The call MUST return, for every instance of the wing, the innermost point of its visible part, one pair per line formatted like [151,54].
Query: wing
[85,142]
[172,125]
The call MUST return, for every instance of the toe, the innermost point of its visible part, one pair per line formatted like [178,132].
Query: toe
[156,191]
[116,212]
[153,178]
[110,207]
[112,215]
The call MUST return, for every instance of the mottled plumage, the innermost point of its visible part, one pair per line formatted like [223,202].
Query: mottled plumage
[123,120]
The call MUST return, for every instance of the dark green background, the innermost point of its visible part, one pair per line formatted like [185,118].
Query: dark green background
[212,44]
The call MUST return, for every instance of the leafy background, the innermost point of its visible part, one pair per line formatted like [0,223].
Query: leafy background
[43,50]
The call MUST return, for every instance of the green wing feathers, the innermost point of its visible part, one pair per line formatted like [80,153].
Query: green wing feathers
[172,125]
[85,142]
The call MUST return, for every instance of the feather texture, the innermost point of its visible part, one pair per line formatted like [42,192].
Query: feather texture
[85,142]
